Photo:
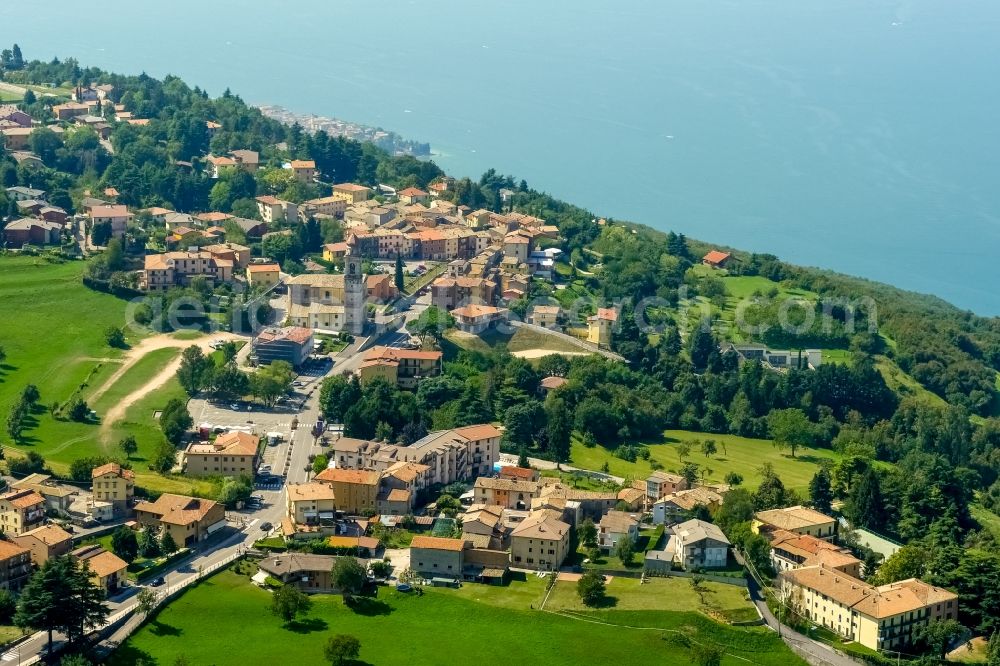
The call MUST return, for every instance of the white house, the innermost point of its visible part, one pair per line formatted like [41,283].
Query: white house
[696,544]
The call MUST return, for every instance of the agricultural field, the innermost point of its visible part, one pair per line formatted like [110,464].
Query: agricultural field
[443,625]
[735,454]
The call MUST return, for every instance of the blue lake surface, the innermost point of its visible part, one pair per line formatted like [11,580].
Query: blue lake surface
[856,135]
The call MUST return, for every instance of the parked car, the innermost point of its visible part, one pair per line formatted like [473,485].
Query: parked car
[266,526]
[156,582]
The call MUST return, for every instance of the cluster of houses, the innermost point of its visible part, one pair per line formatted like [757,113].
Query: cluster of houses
[30,538]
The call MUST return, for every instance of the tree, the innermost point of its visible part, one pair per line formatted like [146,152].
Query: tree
[558,427]
[706,655]
[100,233]
[734,478]
[16,59]
[74,660]
[910,561]
[820,492]
[432,323]
[145,601]
[380,568]
[342,649]
[383,432]
[591,588]
[175,420]
[625,551]
[790,428]
[129,446]
[690,473]
[30,394]
[771,493]
[320,463]
[61,597]
[167,543]
[194,371]
[587,533]
[79,410]
[348,576]
[288,602]
[683,450]
[708,448]
[993,649]
[938,636]
[864,506]
[149,545]
[124,544]
[702,345]
[399,279]
[8,606]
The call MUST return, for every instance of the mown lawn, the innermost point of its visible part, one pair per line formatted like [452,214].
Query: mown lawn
[53,336]
[475,624]
[663,594]
[140,374]
[740,454]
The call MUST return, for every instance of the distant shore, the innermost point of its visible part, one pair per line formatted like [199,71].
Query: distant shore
[389,141]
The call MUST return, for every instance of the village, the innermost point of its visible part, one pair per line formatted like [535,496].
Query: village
[388,287]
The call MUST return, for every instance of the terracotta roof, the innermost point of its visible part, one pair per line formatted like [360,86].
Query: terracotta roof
[618,521]
[607,314]
[716,257]
[793,518]
[263,268]
[9,550]
[213,216]
[398,495]
[300,492]
[553,382]
[406,471]
[631,495]
[23,499]
[506,485]
[338,475]
[351,187]
[543,524]
[394,354]
[178,509]
[437,543]
[474,311]
[233,443]
[302,164]
[511,471]
[50,534]
[109,211]
[292,563]
[294,333]
[412,192]
[476,432]
[101,562]
[112,468]
[875,602]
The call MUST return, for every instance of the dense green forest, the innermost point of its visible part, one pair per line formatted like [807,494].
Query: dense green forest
[909,468]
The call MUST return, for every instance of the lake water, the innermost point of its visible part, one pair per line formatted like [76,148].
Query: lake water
[857,135]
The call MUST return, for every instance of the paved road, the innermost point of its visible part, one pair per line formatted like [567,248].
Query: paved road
[539,463]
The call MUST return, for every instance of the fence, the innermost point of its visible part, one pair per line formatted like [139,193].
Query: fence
[738,581]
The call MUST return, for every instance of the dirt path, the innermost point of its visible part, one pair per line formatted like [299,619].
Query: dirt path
[117,412]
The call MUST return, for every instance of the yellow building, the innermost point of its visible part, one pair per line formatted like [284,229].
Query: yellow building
[188,519]
[351,193]
[231,454]
[263,275]
[304,171]
[600,325]
[540,541]
[356,490]
[111,483]
[311,504]
[107,570]
[887,617]
[405,367]
[795,519]
[21,511]
[546,316]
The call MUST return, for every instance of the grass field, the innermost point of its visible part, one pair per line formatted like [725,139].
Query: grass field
[473,624]
[53,338]
[56,341]
[523,340]
[656,594]
[741,454]
[905,385]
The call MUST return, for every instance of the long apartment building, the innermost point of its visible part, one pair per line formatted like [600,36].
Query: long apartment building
[887,617]
[176,269]
[449,455]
